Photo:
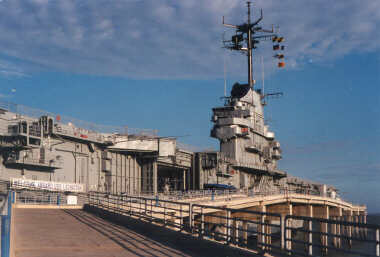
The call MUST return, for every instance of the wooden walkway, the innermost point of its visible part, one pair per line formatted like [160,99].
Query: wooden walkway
[76,233]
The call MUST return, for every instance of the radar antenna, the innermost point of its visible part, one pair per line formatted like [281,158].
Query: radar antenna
[246,38]
[275,95]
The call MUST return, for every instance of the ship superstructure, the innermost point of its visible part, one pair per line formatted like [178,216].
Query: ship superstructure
[249,151]
[239,124]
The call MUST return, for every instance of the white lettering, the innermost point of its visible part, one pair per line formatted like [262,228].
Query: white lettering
[46,185]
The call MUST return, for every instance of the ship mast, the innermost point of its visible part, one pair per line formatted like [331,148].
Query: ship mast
[250,63]
[246,38]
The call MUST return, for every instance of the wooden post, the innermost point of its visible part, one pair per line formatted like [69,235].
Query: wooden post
[365,222]
[361,229]
[350,219]
[377,242]
[289,231]
[228,227]
[268,231]
[262,230]
[339,228]
[282,231]
[324,229]
[235,231]
[155,178]
[245,233]
[191,217]
[202,223]
[310,229]
[353,226]
[333,228]
[184,180]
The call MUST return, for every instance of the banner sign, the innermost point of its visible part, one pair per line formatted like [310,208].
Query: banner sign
[46,185]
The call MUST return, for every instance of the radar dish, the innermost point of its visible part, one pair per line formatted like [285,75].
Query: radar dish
[239,90]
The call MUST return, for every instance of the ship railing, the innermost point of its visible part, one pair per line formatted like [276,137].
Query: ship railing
[90,126]
[213,195]
[140,132]
[79,133]
[286,191]
[57,163]
[23,110]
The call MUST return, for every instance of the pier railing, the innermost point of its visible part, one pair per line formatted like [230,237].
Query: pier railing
[28,197]
[229,195]
[165,212]
[320,236]
[257,231]
[253,230]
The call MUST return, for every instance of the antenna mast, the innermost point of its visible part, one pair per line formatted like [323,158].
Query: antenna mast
[263,75]
[250,34]
[225,79]
[249,37]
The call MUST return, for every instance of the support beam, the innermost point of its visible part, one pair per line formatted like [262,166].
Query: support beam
[365,222]
[348,229]
[235,231]
[245,233]
[268,231]
[334,232]
[228,227]
[339,228]
[282,231]
[324,229]
[310,214]
[155,177]
[289,231]
[261,229]
[184,180]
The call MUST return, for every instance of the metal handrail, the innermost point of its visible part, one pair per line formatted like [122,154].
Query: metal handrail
[252,230]
[237,228]
[343,230]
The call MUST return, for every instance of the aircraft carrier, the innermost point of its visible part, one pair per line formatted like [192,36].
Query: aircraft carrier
[51,150]
[237,195]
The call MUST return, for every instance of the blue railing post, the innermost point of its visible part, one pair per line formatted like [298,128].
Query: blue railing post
[10,201]
[157,201]
[6,227]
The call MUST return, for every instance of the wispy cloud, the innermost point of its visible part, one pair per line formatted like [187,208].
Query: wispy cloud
[9,69]
[324,146]
[180,39]
[359,171]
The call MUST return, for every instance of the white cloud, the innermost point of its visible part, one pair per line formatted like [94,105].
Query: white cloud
[9,69]
[180,39]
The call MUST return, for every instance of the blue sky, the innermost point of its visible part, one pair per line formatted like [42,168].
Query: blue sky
[159,64]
